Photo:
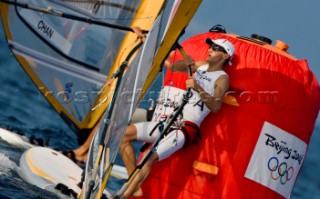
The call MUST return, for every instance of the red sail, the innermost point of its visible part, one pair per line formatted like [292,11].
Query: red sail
[256,149]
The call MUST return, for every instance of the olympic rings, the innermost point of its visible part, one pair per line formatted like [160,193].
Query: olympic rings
[280,170]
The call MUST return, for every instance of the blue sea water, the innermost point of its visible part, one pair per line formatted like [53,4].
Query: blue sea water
[23,109]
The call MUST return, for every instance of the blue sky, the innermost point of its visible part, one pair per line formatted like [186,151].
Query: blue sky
[295,22]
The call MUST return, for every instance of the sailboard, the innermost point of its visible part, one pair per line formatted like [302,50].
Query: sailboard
[51,171]
[71,48]
[255,149]
[16,140]
[54,172]
[164,33]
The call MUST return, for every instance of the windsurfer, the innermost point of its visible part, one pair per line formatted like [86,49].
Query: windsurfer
[80,154]
[208,85]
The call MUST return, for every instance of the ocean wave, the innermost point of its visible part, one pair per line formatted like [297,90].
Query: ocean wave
[7,167]
[12,183]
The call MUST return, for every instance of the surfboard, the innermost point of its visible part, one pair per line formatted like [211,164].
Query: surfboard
[46,168]
[23,143]
[52,171]
[14,139]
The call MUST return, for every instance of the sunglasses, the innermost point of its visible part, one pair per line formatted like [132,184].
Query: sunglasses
[215,47]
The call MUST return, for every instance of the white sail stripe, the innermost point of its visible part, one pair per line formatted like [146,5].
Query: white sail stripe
[76,9]
[87,13]
[155,27]
[74,70]
[48,32]
[172,13]
[135,84]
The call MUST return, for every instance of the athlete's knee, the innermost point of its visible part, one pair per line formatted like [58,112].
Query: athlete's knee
[130,134]
[154,158]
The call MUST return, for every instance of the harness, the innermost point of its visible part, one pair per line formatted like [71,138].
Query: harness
[191,133]
[189,129]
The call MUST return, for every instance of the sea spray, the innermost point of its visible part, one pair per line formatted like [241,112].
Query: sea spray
[6,165]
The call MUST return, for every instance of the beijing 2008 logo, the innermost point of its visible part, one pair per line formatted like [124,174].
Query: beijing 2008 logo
[280,171]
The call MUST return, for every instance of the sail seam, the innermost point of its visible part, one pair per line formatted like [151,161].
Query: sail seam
[59,65]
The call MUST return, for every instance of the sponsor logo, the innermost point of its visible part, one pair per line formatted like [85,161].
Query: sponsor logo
[201,75]
[276,159]
[281,172]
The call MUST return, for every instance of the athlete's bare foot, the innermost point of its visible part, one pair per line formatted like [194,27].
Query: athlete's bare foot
[138,193]
[81,155]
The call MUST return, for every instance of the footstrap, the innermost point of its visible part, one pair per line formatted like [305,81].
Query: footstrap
[64,189]
[36,141]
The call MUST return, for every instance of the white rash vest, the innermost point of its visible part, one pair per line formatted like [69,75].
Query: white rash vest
[195,111]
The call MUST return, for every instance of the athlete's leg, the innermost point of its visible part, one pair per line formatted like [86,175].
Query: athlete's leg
[173,142]
[134,187]
[81,153]
[126,149]
[138,131]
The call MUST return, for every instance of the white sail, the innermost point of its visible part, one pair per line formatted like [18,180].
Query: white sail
[68,48]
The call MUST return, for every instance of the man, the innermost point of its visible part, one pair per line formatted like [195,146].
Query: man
[208,85]
[80,154]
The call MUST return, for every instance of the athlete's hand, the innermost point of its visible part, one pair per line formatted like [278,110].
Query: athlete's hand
[188,61]
[192,83]
[138,31]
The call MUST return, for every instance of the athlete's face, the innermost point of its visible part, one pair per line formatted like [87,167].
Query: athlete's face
[217,54]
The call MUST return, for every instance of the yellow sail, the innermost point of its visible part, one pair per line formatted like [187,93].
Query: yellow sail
[70,49]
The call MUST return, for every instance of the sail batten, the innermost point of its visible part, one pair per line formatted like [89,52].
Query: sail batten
[93,5]
[65,67]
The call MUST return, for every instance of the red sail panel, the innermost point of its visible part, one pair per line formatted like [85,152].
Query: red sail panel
[254,150]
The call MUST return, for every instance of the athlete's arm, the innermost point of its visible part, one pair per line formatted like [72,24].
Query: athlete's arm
[220,88]
[182,65]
